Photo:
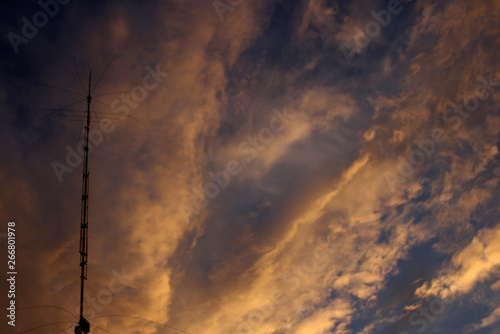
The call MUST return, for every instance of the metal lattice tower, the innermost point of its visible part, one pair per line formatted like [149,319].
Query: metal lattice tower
[74,115]
[83,324]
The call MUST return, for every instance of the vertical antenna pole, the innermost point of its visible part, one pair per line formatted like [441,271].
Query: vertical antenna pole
[83,324]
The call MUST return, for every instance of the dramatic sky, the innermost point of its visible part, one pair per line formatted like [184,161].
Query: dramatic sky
[265,167]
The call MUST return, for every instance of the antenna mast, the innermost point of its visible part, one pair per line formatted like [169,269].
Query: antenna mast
[83,324]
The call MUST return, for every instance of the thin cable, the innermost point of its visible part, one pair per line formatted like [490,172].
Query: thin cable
[65,110]
[151,321]
[93,326]
[59,323]
[125,91]
[98,81]
[52,306]
[82,125]
[97,327]
[78,117]
[97,116]
[64,90]
[78,121]
[60,109]
[118,111]
[51,324]
[78,74]
[107,114]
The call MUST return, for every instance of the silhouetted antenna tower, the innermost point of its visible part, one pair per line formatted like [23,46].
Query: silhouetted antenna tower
[70,115]
[83,324]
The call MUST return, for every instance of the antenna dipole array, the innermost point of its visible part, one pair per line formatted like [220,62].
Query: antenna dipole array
[83,324]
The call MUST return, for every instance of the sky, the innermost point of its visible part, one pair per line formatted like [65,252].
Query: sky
[256,167]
